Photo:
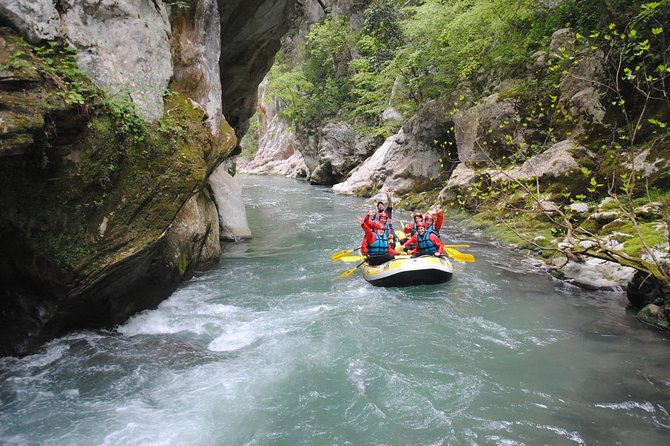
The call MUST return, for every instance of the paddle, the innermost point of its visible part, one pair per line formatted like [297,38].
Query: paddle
[351,258]
[459,256]
[339,254]
[349,272]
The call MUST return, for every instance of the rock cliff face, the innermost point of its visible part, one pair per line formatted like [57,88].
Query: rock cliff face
[106,209]
[277,146]
[251,34]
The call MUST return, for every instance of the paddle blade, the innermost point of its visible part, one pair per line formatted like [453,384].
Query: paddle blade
[349,272]
[456,246]
[339,254]
[459,256]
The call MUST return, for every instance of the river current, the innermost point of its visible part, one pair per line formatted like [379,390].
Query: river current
[271,348]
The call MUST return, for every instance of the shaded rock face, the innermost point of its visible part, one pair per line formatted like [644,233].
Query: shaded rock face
[251,32]
[644,290]
[96,226]
[195,43]
[475,127]
[92,226]
[579,96]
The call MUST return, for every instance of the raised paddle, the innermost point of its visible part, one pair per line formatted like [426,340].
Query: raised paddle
[349,272]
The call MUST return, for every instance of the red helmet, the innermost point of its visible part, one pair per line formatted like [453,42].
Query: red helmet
[408,229]
[417,214]
[377,225]
[421,225]
[430,217]
[382,214]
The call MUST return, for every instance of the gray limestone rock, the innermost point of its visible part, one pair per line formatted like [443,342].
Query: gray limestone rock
[35,20]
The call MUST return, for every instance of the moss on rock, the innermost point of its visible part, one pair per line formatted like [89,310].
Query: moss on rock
[90,190]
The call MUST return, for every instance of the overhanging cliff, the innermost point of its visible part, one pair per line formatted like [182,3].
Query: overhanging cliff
[113,116]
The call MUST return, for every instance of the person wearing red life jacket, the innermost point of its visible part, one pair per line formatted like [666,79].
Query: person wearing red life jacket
[427,243]
[434,224]
[375,245]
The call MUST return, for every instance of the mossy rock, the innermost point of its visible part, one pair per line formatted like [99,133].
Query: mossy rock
[421,201]
[654,315]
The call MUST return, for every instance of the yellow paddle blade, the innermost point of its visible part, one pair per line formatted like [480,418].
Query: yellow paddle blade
[459,256]
[349,272]
[456,246]
[339,254]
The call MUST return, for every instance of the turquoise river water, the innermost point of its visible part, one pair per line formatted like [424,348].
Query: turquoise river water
[271,348]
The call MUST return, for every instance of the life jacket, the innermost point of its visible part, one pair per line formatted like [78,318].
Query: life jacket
[380,246]
[425,244]
[389,230]
[430,229]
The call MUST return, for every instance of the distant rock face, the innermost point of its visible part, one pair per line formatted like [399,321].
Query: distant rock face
[277,152]
[332,151]
[408,161]
[398,164]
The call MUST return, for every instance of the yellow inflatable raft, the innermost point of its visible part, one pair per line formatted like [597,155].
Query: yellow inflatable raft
[407,271]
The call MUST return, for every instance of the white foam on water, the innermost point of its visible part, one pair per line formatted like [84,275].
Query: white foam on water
[239,335]
[186,311]
[629,405]
[270,325]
